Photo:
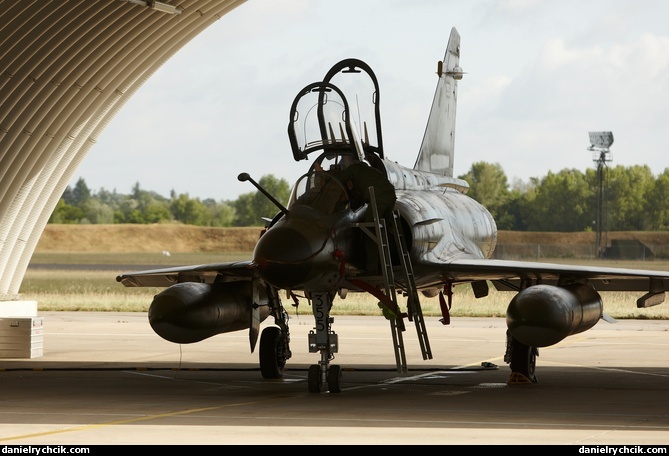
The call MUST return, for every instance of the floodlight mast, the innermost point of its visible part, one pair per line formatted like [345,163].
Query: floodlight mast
[600,141]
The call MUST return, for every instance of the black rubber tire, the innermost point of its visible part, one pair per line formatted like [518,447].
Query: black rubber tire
[271,356]
[335,378]
[314,378]
[524,360]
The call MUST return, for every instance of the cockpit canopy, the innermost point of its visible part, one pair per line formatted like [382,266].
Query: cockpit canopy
[321,191]
[342,118]
[320,121]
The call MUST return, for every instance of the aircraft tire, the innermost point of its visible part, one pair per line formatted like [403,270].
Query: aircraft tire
[524,360]
[272,360]
[334,378]
[314,378]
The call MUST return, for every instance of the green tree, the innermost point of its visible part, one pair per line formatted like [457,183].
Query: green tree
[81,193]
[111,199]
[525,202]
[253,208]
[65,213]
[626,196]
[560,202]
[77,195]
[190,211]
[143,207]
[96,212]
[70,207]
[510,215]
[656,211]
[244,213]
[489,186]
[222,214]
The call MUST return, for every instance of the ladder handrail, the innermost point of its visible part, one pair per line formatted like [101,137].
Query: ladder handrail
[413,301]
[380,236]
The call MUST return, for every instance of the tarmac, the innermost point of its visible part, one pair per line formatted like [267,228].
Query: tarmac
[106,379]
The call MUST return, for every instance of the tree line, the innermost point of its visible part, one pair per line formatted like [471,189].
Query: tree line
[630,199]
[79,204]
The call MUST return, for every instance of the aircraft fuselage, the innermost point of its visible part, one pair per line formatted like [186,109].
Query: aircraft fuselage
[316,244]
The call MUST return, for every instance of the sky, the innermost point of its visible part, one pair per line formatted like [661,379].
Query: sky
[540,75]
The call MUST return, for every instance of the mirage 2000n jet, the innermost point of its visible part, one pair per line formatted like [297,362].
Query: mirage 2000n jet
[333,239]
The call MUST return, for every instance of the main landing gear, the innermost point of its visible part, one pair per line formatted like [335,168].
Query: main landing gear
[522,360]
[275,341]
[272,358]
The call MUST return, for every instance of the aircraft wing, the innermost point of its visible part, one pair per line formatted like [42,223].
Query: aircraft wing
[204,273]
[508,275]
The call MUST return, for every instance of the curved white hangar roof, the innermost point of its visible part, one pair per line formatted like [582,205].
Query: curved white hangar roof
[66,68]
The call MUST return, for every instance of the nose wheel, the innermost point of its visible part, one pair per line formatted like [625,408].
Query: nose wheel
[314,379]
[333,378]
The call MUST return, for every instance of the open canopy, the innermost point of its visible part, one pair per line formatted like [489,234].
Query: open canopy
[341,118]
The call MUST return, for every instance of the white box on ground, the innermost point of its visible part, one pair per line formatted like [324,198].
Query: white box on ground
[21,337]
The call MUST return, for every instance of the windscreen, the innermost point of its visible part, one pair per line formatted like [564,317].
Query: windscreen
[319,190]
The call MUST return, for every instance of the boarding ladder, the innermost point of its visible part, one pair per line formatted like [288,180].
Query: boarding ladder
[415,311]
[380,236]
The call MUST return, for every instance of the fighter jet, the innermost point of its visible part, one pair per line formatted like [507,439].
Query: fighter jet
[358,222]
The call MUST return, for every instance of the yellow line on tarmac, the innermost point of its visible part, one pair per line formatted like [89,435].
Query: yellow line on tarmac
[135,420]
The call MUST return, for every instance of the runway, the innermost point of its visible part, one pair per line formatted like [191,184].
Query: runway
[107,379]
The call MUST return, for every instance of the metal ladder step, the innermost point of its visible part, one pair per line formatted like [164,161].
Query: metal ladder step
[415,310]
[380,236]
[408,284]
[397,323]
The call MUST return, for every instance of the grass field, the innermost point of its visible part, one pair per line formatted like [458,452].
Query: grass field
[62,289]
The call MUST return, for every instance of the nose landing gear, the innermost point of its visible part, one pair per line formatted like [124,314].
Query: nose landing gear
[322,339]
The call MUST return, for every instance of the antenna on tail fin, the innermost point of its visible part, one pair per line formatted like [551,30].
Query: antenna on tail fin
[436,151]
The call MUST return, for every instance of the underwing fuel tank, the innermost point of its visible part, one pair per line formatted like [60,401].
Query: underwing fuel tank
[190,312]
[543,315]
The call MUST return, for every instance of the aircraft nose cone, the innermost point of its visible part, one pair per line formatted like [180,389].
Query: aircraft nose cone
[284,257]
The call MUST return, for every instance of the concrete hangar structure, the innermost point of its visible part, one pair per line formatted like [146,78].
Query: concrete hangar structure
[66,68]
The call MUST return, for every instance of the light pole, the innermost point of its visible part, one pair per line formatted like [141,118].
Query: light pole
[600,141]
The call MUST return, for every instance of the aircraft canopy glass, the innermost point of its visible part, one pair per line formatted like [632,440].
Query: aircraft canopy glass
[341,118]
[320,121]
[319,190]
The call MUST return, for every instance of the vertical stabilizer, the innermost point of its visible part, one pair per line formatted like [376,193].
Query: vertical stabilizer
[436,151]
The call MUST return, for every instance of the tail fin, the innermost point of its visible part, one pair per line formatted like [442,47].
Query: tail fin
[436,151]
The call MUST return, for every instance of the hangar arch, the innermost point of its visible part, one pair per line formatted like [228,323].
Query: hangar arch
[68,66]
